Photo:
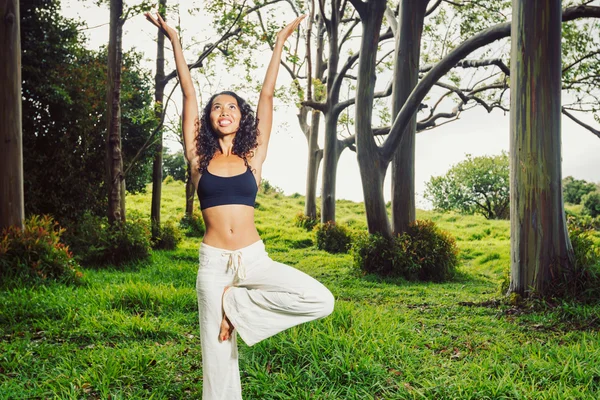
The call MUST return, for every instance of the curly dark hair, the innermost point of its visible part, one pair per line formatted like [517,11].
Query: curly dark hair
[245,140]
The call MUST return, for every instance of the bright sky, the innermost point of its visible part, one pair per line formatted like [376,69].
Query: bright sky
[476,132]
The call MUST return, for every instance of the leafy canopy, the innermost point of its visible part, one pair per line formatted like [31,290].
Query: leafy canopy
[478,185]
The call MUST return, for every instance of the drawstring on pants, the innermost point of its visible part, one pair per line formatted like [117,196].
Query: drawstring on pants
[235,263]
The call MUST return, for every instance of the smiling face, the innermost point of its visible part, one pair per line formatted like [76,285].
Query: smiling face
[225,114]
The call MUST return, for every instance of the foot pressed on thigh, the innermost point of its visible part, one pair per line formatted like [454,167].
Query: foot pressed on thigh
[226,325]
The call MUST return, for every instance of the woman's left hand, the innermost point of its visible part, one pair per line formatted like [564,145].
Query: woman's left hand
[286,32]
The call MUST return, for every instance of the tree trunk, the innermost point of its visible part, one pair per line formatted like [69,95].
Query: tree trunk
[540,244]
[159,91]
[12,204]
[189,191]
[406,74]
[372,170]
[314,160]
[331,149]
[331,156]
[114,157]
[315,155]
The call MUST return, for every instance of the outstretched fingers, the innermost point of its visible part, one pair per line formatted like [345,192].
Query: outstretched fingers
[291,27]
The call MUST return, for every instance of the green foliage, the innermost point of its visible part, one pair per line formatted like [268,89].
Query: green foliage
[168,180]
[175,165]
[575,189]
[477,185]
[591,204]
[333,238]
[423,253]
[36,254]
[267,188]
[133,334]
[193,225]
[374,254]
[582,280]
[168,236]
[304,221]
[96,242]
[64,101]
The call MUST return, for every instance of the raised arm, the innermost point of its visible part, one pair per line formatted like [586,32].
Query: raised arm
[190,102]
[264,111]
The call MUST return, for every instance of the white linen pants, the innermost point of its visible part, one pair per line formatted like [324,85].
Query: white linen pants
[265,297]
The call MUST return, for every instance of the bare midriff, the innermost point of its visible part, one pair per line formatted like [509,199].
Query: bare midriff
[230,226]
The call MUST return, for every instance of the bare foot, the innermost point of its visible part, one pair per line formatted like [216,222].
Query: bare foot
[226,325]
[226,329]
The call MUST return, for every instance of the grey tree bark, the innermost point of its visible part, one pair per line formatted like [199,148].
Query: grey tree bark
[12,206]
[540,245]
[114,158]
[372,170]
[159,92]
[406,73]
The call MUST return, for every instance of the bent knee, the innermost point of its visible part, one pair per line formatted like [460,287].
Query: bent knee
[327,303]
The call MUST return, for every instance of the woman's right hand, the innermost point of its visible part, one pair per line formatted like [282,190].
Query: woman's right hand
[162,25]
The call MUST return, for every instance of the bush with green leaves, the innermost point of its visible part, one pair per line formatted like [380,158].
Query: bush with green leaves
[174,165]
[304,221]
[478,185]
[96,242]
[575,189]
[591,204]
[168,236]
[583,221]
[267,188]
[36,254]
[423,253]
[582,280]
[333,238]
[192,225]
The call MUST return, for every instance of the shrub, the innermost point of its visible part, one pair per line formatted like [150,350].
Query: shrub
[267,188]
[168,179]
[477,185]
[424,252]
[584,222]
[582,280]
[168,237]
[304,221]
[333,238]
[35,254]
[192,225]
[435,251]
[591,204]
[373,253]
[94,241]
[575,189]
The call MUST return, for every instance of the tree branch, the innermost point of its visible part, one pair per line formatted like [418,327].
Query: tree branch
[208,49]
[474,64]
[433,7]
[589,55]
[484,38]
[581,123]
[148,141]
[316,105]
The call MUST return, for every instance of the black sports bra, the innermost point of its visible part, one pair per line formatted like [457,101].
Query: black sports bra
[216,190]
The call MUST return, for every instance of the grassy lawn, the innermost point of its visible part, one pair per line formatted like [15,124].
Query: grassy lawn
[133,333]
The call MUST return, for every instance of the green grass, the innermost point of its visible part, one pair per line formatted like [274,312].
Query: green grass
[133,333]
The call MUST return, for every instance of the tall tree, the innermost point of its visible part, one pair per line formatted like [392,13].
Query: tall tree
[159,92]
[64,101]
[411,18]
[373,160]
[114,158]
[540,245]
[12,207]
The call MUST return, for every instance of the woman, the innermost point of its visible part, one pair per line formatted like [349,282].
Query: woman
[239,287]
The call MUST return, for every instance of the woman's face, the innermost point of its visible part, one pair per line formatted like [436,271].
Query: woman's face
[225,115]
